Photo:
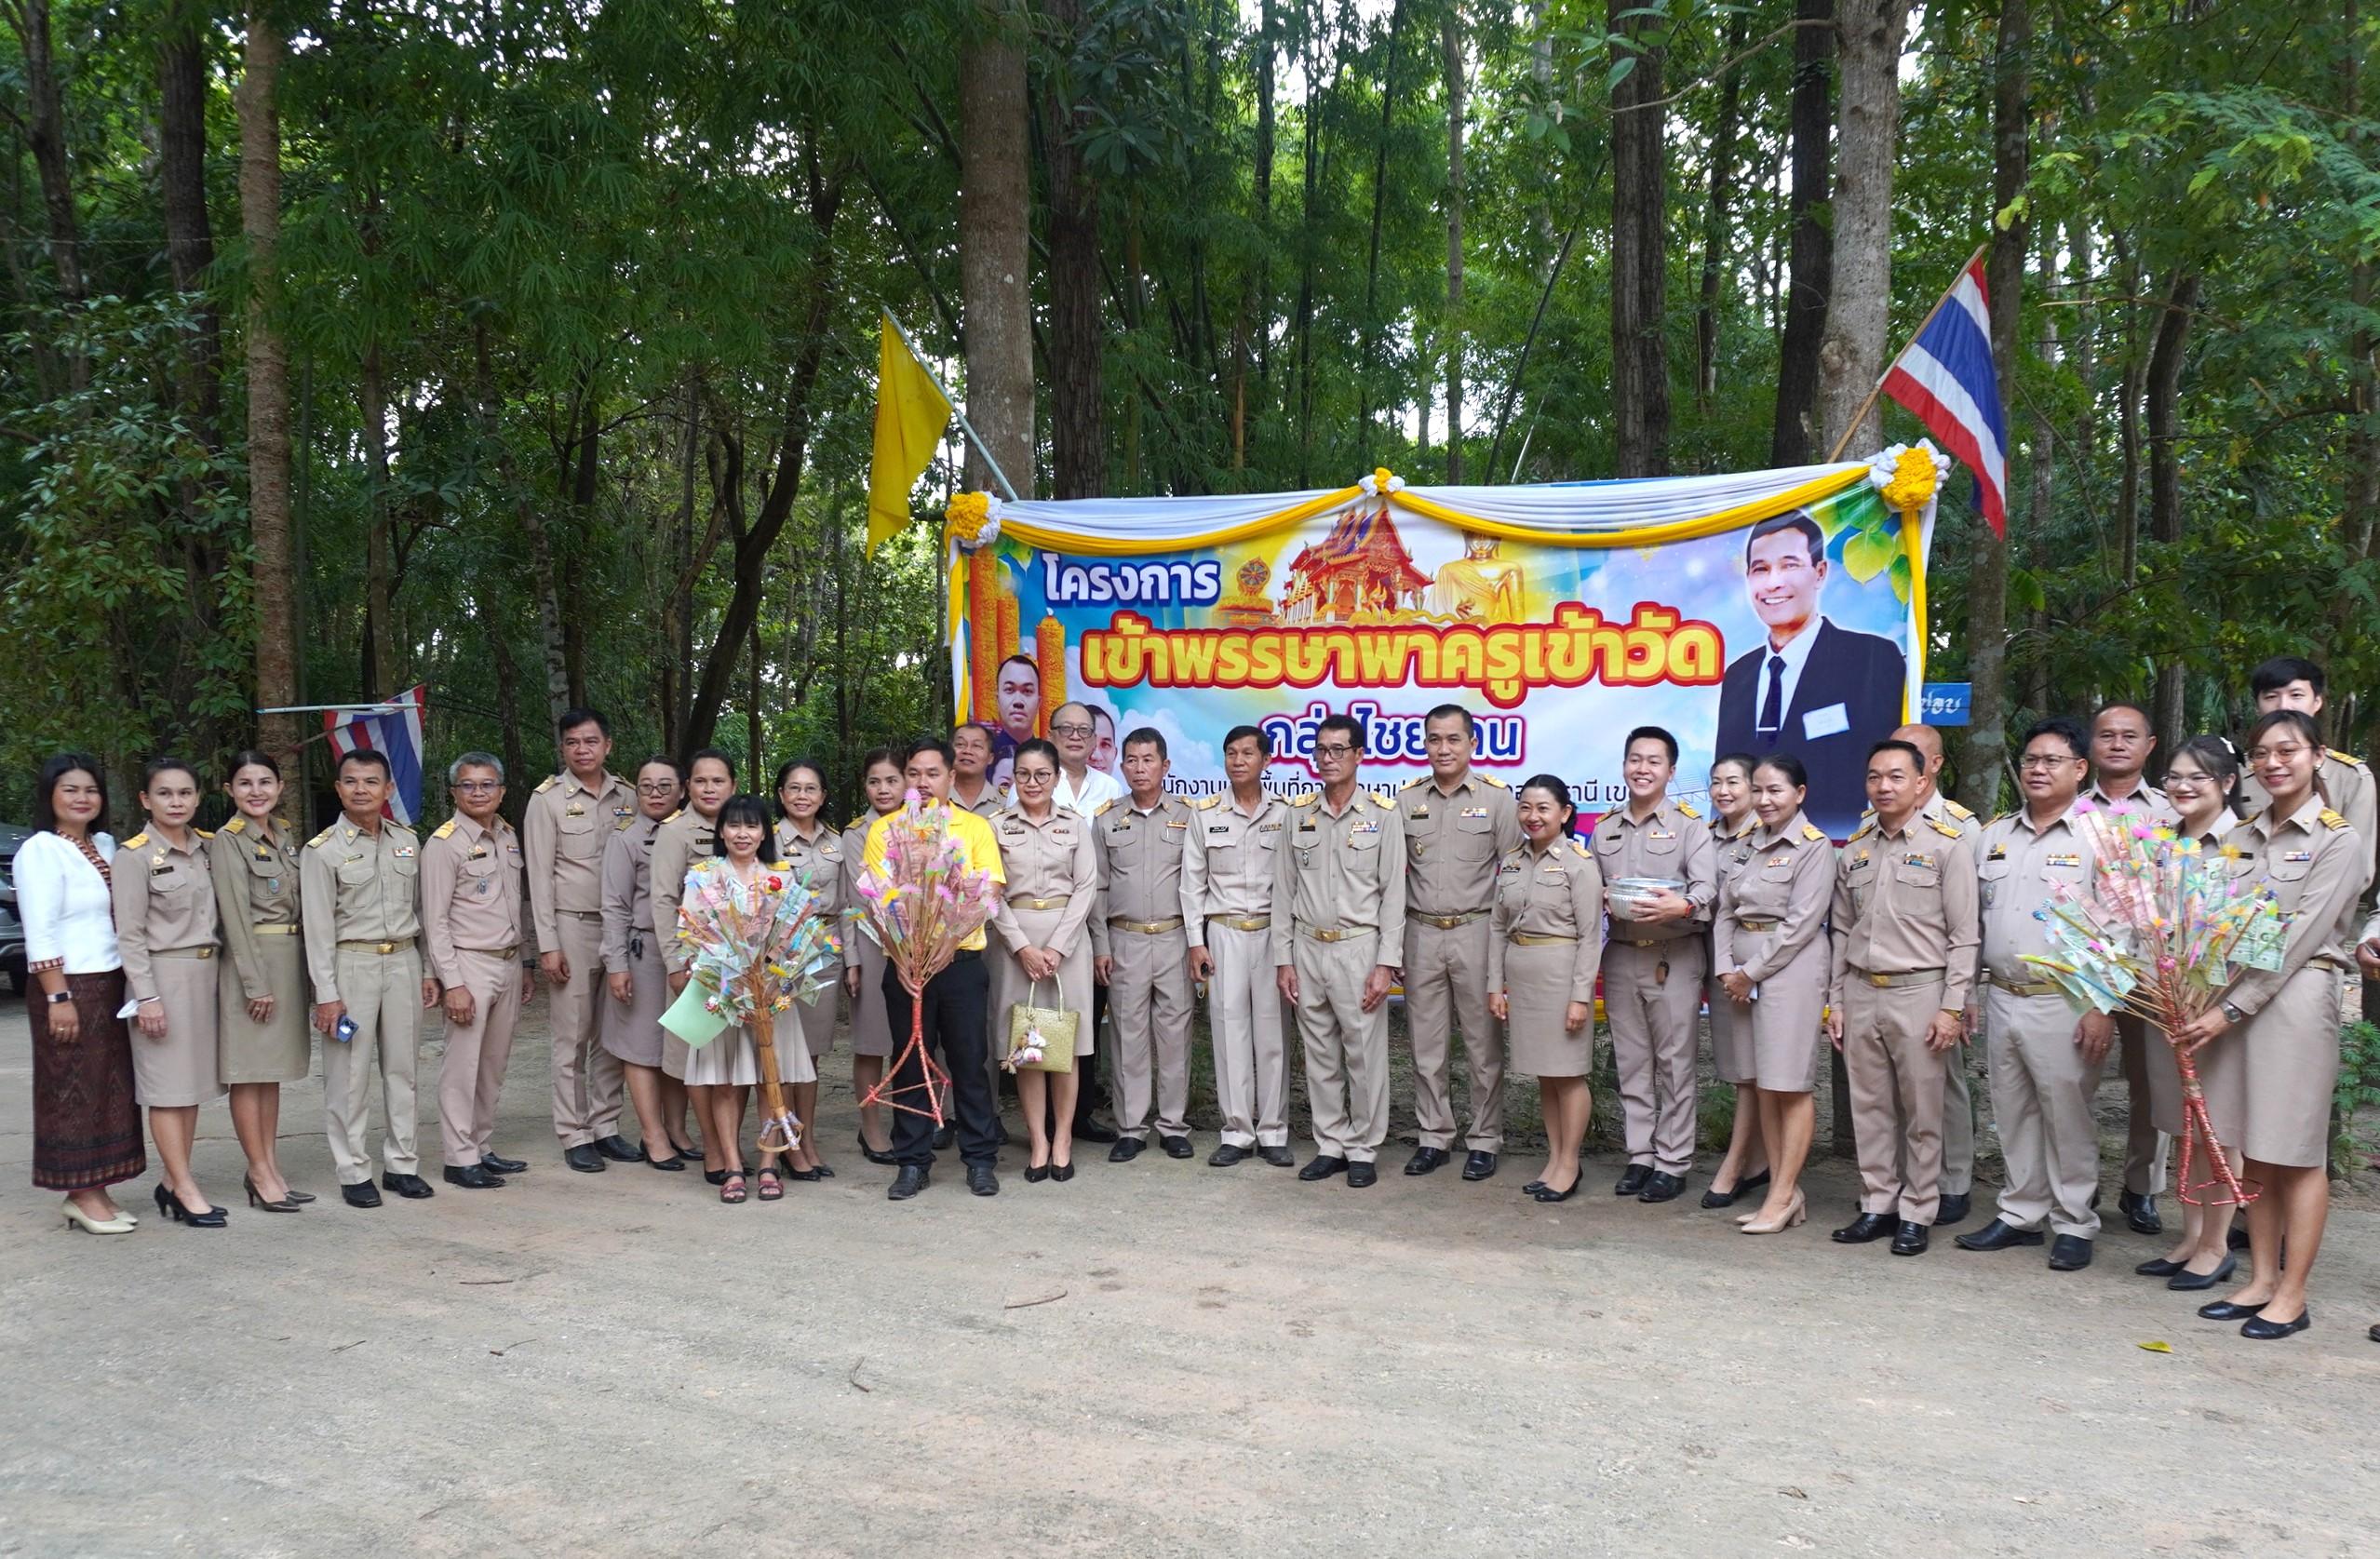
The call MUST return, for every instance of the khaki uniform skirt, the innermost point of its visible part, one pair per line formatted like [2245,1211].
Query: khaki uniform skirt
[632,1030]
[1071,990]
[2268,1083]
[1784,1021]
[1536,987]
[179,1069]
[281,1048]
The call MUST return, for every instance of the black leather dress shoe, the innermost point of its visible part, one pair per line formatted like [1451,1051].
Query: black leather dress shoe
[2223,1310]
[982,1181]
[1278,1155]
[911,1179]
[1426,1160]
[584,1157]
[1478,1166]
[674,1163]
[2140,1211]
[411,1187]
[2158,1268]
[1953,1210]
[1089,1130]
[1662,1186]
[1322,1167]
[361,1195]
[473,1177]
[2258,1329]
[1363,1173]
[619,1150]
[943,1138]
[1125,1150]
[1632,1179]
[1860,1231]
[1176,1147]
[1227,1155]
[2069,1252]
[1996,1235]
[871,1155]
[2185,1280]
[495,1165]
[2375,1333]
[1909,1239]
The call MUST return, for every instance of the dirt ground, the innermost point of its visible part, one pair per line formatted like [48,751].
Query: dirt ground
[1154,1359]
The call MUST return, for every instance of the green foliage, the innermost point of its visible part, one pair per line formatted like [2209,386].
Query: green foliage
[2356,1094]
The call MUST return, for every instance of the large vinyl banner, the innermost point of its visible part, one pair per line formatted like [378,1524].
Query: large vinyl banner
[1777,610]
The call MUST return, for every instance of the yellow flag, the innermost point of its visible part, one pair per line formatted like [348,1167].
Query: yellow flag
[910,414]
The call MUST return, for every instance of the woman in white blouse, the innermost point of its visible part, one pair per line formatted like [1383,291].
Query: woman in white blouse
[86,1126]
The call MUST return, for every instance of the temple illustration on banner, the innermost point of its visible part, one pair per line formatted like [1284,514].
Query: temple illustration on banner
[1361,571]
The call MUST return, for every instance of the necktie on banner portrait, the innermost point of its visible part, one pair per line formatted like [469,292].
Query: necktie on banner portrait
[393,727]
[911,411]
[1946,380]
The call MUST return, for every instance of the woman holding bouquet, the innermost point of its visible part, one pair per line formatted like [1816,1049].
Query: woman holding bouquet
[721,1073]
[2275,1076]
[871,1031]
[1053,883]
[814,853]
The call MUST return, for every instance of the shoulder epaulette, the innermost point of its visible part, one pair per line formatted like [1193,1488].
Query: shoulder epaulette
[1690,812]
[1408,784]
[1962,814]
[321,837]
[1207,803]
[1813,832]
[204,833]
[1386,803]
[444,830]
[135,842]
[1305,801]
[1578,846]
[860,821]
[2000,819]
[1867,826]
[547,784]
[1947,830]
[1101,810]
[779,866]
[2348,758]
[234,827]
[674,816]
[1491,779]
[2331,819]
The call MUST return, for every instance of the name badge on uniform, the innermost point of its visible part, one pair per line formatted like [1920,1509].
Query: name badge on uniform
[574,810]
[2297,855]
[1214,828]
[262,854]
[1923,861]
[1177,822]
[158,869]
[1364,828]
[479,854]
[1267,827]
[2066,861]
[2000,853]
[1422,812]
[1474,812]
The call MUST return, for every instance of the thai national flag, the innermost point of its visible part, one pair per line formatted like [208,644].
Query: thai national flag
[394,728]
[1945,377]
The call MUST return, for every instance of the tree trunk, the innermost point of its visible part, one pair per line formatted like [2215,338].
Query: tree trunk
[1368,323]
[2127,414]
[1793,439]
[1714,222]
[2163,398]
[380,555]
[542,579]
[1316,105]
[1639,256]
[271,532]
[1452,37]
[1078,437]
[995,202]
[1850,357]
[507,678]
[45,131]
[190,238]
[1261,176]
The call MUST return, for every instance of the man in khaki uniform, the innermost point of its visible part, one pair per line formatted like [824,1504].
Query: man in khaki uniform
[1654,963]
[971,785]
[1458,827]
[2121,745]
[2044,1062]
[2289,682]
[471,881]
[1140,952]
[1957,1096]
[1338,904]
[570,819]
[1905,932]
[356,880]
[1228,872]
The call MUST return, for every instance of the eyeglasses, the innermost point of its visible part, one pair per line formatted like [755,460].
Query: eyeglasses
[1334,749]
[474,787]
[666,789]
[1070,731]
[2044,760]
[2283,755]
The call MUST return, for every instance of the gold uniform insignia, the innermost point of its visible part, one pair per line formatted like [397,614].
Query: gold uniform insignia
[1690,812]
[548,782]
[444,830]
[1947,830]
[2331,819]
[1813,832]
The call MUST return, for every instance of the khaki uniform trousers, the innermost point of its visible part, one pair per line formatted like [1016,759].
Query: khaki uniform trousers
[1149,1004]
[1958,1127]
[2041,1093]
[1347,1048]
[1896,1096]
[2145,1146]
[472,1077]
[1244,1014]
[1653,1041]
[587,1080]
[383,995]
[1445,983]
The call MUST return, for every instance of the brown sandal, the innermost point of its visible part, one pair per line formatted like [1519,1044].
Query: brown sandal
[732,1188]
[772,1185]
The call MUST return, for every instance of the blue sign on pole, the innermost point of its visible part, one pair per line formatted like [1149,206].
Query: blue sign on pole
[1945,703]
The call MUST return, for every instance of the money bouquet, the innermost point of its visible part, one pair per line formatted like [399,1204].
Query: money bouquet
[2157,932]
[919,904]
[753,953]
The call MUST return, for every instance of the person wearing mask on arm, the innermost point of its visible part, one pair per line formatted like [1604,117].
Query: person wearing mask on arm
[1228,872]
[263,1041]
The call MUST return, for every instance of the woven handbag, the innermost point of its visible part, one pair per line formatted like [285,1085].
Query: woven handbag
[1049,1030]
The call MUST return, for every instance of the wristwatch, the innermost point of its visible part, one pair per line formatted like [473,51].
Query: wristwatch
[59,997]
[2234,1014]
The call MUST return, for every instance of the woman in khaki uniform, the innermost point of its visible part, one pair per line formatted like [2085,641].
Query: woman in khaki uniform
[262,1000]
[636,985]
[871,1033]
[1544,944]
[1052,868]
[815,853]
[1746,1167]
[2275,1076]
[165,926]
[1768,942]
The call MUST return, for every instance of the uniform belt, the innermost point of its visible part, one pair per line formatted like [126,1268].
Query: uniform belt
[1759,925]
[382,948]
[181,952]
[2019,987]
[1448,923]
[1895,981]
[1059,903]
[1538,939]
[1335,933]
[2324,961]
[581,914]
[1145,928]
[1646,941]
[1242,922]
[513,951]
[286,929]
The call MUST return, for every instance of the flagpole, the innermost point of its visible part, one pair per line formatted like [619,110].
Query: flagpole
[972,437]
[1865,406]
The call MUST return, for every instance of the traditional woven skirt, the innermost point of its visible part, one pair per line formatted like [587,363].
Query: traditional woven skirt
[86,1125]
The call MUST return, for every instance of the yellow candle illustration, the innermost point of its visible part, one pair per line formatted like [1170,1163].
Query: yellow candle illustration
[983,628]
[1049,650]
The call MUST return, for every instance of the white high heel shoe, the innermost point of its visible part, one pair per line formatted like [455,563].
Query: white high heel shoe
[76,1217]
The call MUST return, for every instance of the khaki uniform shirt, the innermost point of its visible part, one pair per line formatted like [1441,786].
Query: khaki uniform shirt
[471,882]
[819,861]
[854,854]
[990,804]
[1557,894]
[1230,862]
[563,832]
[2313,861]
[165,899]
[627,891]
[1907,902]
[1047,858]
[1344,873]
[1674,842]
[685,836]
[1141,863]
[256,884]
[2144,799]
[1787,883]
[358,887]
[2019,865]
[2348,790]
[1455,844]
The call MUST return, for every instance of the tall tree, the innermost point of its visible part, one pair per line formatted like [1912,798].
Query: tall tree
[1793,434]
[2161,396]
[181,186]
[271,531]
[1451,30]
[1078,346]
[995,203]
[1715,220]
[1850,357]
[1640,411]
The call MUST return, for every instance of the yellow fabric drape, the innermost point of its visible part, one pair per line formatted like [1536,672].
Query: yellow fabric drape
[910,414]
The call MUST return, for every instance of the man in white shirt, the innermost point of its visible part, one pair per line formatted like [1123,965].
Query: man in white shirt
[1079,787]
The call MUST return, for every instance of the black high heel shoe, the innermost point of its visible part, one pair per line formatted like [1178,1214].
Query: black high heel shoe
[170,1205]
[1547,1193]
[1061,1172]
[256,1198]
[1036,1172]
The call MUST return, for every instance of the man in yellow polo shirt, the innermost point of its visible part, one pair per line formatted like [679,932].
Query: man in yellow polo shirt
[953,1007]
